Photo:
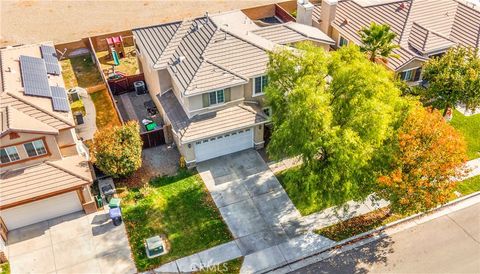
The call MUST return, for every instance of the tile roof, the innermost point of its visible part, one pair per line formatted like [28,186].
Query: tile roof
[209,124]
[14,120]
[422,26]
[293,32]
[37,180]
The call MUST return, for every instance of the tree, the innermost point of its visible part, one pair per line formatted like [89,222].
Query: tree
[453,78]
[117,151]
[377,41]
[429,156]
[337,110]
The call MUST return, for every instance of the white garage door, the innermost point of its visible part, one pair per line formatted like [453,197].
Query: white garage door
[223,144]
[41,210]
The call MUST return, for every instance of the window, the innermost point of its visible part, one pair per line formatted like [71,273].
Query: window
[216,97]
[259,85]
[9,154]
[342,42]
[411,75]
[35,148]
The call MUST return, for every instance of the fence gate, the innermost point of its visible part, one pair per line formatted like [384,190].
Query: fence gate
[153,138]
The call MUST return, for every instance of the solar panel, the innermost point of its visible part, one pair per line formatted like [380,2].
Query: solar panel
[50,57]
[34,76]
[59,99]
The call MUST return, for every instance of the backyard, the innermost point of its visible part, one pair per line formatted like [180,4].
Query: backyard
[176,206]
[106,114]
[469,126]
[128,64]
[80,71]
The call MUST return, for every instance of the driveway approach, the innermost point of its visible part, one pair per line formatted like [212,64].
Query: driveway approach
[250,199]
[74,243]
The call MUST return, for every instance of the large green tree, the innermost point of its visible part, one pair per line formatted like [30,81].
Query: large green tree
[117,151]
[454,78]
[377,41]
[338,111]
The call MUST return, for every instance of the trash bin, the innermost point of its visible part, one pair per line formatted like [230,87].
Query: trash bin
[114,202]
[99,200]
[116,216]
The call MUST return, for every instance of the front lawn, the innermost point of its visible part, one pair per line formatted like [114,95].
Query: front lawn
[305,200]
[80,71]
[180,208]
[469,126]
[106,113]
[469,185]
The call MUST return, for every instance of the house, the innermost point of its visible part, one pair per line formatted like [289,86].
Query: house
[207,77]
[424,28]
[44,168]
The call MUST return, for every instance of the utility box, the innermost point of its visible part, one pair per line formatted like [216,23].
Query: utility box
[154,247]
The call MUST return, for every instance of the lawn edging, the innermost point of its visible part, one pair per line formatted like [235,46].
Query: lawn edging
[379,233]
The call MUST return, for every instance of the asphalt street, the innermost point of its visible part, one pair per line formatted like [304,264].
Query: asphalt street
[448,244]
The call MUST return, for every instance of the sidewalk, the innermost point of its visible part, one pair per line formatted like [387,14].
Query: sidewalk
[474,167]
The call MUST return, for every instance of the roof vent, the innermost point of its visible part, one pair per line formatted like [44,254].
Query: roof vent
[181,59]
[402,6]
[345,21]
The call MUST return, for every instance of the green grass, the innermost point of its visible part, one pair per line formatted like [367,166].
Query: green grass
[128,64]
[302,198]
[106,114]
[78,106]
[80,71]
[359,224]
[469,185]
[230,267]
[178,207]
[5,268]
[469,126]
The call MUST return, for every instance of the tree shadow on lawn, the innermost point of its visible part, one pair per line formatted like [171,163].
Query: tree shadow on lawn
[178,207]
[360,260]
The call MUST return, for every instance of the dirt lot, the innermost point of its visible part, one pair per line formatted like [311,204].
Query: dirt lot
[64,21]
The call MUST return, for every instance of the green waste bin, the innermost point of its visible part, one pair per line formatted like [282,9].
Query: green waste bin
[99,201]
[151,126]
[114,202]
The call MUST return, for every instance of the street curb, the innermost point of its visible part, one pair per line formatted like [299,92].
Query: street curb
[376,234]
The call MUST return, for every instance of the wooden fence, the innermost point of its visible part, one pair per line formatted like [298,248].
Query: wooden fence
[153,138]
[125,84]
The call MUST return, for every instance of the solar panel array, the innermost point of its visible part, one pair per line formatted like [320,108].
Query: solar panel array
[34,76]
[59,99]
[51,61]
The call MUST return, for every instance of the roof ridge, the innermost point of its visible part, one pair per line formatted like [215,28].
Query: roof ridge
[184,22]
[67,171]
[10,127]
[43,110]
[226,69]
[245,40]
[254,112]
[405,23]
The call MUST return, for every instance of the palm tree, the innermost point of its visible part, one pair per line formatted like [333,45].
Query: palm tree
[377,40]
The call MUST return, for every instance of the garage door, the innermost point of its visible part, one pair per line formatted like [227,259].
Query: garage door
[223,144]
[42,210]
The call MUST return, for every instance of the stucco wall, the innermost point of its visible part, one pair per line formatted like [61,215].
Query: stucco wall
[195,103]
[50,143]
[66,137]
[151,76]
[249,94]
[258,136]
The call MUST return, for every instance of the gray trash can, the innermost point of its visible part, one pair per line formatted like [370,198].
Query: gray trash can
[116,216]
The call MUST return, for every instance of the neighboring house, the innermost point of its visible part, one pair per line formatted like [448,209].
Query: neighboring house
[207,77]
[44,169]
[424,28]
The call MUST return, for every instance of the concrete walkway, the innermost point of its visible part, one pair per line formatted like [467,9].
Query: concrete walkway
[474,168]
[89,126]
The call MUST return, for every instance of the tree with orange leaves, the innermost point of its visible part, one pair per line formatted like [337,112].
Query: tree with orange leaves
[429,155]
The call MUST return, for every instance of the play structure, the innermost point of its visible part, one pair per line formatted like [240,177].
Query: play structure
[115,45]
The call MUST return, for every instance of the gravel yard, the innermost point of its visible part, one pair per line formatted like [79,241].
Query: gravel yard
[65,21]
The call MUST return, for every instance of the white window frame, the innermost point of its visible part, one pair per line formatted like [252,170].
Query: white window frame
[217,92]
[36,149]
[10,155]
[340,37]
[262,78]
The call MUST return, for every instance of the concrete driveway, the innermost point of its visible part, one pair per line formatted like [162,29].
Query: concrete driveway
[250,199]
[74,243]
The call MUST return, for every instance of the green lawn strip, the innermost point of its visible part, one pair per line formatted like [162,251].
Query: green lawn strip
[5,268]
[359,224]
[80,71]
[178,207]
[469,185]
[230,267]
[302,198]
[105,111]
[469,126]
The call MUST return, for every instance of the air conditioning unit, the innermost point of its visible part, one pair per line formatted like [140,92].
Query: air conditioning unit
[140,87]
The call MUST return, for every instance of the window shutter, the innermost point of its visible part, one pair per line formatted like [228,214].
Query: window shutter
[205,100]
[418,72]
[227,93]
